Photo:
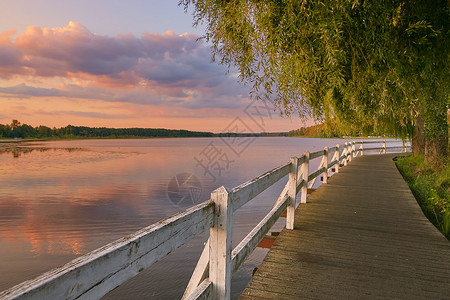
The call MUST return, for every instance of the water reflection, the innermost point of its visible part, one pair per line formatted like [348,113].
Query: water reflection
[18,149]
[61,199]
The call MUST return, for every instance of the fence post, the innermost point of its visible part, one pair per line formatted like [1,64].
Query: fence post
[292,193]
[362,148]
[383,148]
[325,163]
[305,174]
[350,153]
[345,154]
[354,149]
[336,166]
[220,245]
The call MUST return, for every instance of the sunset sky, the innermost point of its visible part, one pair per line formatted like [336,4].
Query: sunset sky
[115,63]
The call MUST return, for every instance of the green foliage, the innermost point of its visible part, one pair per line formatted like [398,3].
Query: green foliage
[317,131]
[431,187]
[359,63]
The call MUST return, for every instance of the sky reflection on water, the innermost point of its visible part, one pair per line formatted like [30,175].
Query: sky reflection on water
[61,199]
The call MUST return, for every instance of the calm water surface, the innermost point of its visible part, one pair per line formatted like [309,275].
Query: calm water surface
[61,199]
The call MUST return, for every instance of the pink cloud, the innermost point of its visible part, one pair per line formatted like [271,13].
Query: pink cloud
[170,67]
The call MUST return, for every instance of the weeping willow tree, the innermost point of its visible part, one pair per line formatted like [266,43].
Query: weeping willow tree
[350,63]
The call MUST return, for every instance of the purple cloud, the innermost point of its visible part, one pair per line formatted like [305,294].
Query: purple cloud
[151,69]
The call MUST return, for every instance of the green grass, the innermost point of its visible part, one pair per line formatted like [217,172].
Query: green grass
[431,187]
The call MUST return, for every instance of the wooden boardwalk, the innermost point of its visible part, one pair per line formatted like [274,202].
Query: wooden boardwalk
[360,236]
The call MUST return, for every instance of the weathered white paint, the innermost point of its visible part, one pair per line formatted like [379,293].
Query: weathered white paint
[292,192]
[247,191]
[220,245]
[349,151]
[332,164]
[301,183]
[362,148]
[94,274]
[200,271]
[337,158]
[345,154]
[325,164]
[203,291]
[383,148]
[322,168]
[305,174]
[251,241]
[301,160]
[283,194]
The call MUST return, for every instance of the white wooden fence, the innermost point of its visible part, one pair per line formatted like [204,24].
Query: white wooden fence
[96,273]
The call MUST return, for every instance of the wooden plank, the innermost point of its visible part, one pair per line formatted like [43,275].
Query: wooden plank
[283,194]
[316,173]
[292,192]
[300,184]
[249,243]
[203,291]
[373,148]
[305,179]
[96,273]
[247,191]
[301,159]
[381,148]
[332,164]
[316,154]
[335,159]
[310,191]
[325,164]
[199,273]
[267,241]
[332,149]
[380,245]
[220,245]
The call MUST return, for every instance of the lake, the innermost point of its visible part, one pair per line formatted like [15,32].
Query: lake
[62,199]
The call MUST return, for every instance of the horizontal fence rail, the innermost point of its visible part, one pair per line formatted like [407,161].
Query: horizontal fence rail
[96,273]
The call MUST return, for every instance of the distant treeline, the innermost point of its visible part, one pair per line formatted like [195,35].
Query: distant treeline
[313,131]
[262,134]
[18,130]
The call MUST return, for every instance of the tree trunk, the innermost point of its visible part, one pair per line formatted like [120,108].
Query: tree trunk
[418,139]
[436,131]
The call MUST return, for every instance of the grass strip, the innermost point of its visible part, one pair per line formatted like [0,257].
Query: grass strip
[431,187]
